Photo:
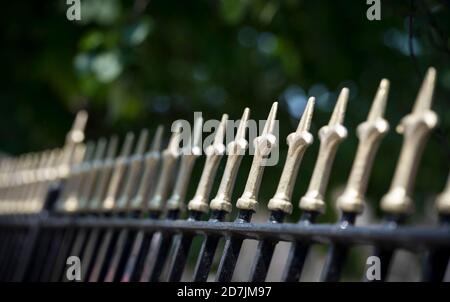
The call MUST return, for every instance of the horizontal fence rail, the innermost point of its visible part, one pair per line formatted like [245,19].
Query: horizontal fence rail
[104,212]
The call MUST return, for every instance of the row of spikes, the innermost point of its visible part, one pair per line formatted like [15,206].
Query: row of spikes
[25,179]
[103,182]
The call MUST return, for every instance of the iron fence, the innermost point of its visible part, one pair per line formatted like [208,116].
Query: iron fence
[113,211]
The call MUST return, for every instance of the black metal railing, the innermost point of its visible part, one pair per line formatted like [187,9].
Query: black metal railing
[112,212]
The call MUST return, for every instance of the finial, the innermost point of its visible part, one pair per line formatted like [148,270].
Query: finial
[415,128]
[118,172]
[263,145]
[236,150]
[104,167]
[169,158]
[190,153]
[76,134]
[214,153]
[370,134]
[151,161]
[131,179]
[92,168]
[330,137]
[298,142]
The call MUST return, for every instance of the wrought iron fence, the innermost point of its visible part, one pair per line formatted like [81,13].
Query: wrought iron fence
[114,212]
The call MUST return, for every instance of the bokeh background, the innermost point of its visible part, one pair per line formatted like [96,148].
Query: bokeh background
[135,64]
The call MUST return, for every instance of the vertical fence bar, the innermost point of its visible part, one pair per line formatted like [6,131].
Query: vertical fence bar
[122,209]
[199,204]
[115,189]
[175,203]
[78,175]
[436,261]
[312,203]
[137,258]
[90,175]
[416,126]
[85,238]
[280,205]
[221,205]
[351,202]
[247,203]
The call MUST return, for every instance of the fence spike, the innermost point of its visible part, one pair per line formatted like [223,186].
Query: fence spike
[151,160]
[76,134]
[351,202]
[415,127]
[190,153]
[92,168]
[221,204]
[330,137]
[236,150]
[280,204]
[370,134]
[247,203]
[118,172]
[76,179]
[169,159]
[214,153]
[298,142]
[199,203]
[132,173]
[263,145]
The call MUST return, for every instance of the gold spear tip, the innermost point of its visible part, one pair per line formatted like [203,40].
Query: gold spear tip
[112,146]
[157,139]
[76,134]
[425,95]
[268,127]
[379,103]
[220,132]
[337,117]
[90,148]
[142,142]
[305,121]
[101,146]
[240,134]
[127,145]
[80,119]
[173,147]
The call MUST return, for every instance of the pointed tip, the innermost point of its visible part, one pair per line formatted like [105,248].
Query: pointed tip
[142,142]
[305,121]
[112,147]
[240,134]
[337,118]
[127,145]
[220,132]
[80,120]
[268,127]
[90,151]
[157,139]
[379,102]
[425,97]
[100,149]
[174,142]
